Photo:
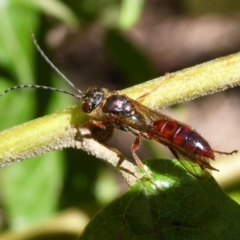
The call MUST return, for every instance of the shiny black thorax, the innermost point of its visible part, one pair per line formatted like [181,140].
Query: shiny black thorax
[119,108]
[116,108]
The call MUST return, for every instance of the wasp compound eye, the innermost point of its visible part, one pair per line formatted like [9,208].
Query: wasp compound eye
[87,107]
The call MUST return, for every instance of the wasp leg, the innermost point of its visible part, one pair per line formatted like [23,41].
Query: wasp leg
[139,162]
[134,148]
[147,93]
[226,153]
[99,124]
[174,153]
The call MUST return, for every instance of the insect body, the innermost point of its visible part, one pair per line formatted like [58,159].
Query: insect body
[124,113]
[129,115]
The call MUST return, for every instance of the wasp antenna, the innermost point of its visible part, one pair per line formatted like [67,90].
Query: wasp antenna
[41,87]
[51,64]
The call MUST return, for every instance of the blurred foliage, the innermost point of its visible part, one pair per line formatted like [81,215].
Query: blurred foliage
[223,6]
[36,189]
[130,59]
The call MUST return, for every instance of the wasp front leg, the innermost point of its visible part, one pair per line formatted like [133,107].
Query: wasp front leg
[100,124]
[101,130]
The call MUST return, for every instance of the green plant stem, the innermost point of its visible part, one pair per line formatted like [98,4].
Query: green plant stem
[204,79]
[57,131]
[61,129]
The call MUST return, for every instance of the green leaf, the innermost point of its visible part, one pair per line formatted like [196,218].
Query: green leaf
[130,13]
[188,208]
[30,190]
[16,46]
[54,8]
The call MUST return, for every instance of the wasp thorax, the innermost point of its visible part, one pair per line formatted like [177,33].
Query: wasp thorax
[92,99]
[115,104]
[119,104]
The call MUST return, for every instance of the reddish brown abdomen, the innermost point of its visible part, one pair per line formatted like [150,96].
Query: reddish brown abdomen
[182,137]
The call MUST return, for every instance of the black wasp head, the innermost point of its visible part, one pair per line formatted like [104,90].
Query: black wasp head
[92,98]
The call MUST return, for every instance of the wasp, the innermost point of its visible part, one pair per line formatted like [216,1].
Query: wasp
[129,115]
[120,111]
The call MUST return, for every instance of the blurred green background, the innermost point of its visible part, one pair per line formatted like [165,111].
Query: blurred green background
[113,44]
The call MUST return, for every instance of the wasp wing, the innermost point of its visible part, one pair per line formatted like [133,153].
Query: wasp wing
[141,124]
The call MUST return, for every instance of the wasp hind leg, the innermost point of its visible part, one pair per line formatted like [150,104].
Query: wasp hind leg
[174,153]
[226,153]
[134,148]
[190,167]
